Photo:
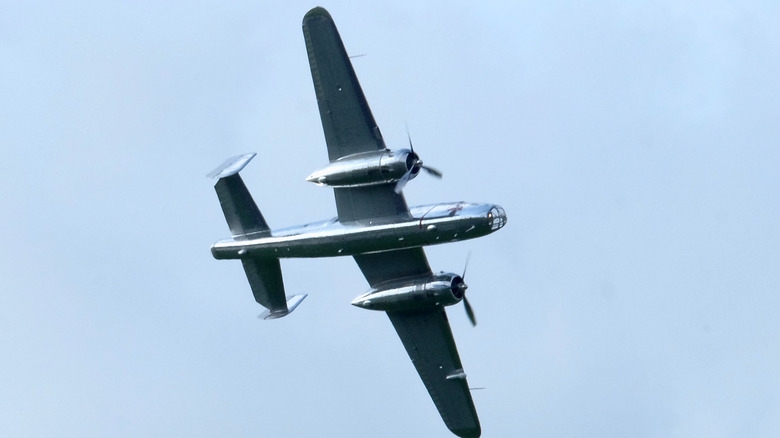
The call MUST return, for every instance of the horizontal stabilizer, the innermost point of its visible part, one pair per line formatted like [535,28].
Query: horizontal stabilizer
[265,279]
[292,303]
[241,212]
[231,166]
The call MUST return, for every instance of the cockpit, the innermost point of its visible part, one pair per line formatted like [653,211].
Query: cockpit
[497,218]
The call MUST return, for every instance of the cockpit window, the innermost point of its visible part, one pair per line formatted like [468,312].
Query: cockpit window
[497,218]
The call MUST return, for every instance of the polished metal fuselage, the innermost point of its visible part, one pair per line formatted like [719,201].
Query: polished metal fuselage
[425,225]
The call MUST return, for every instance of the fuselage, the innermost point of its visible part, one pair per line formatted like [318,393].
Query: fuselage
[425,225]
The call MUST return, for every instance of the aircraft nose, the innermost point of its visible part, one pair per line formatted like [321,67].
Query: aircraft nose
[496,217]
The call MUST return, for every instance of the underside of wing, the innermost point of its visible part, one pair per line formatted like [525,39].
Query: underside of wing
[427,337]
[347,121]
[346,118]
[372,202]
[385,266]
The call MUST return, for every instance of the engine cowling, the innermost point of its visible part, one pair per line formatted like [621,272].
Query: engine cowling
[367,169]
[441,290]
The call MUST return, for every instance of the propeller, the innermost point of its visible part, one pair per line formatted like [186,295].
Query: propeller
[462,287]
[414,163]
[431,170]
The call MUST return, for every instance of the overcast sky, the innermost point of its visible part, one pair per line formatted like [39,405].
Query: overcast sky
[634,146]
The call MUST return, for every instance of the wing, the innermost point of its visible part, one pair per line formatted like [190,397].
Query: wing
[346,118]
[371,202]
[428,339]
[347,121]
[379,267]
[350,128]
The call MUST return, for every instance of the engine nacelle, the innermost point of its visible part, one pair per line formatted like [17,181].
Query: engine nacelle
[367,169]
[441,290]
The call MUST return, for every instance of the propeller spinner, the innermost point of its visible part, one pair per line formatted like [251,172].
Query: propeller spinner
[414,163]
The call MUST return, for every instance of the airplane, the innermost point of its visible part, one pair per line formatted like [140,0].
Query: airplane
[374,226]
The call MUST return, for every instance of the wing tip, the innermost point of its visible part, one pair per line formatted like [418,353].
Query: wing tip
[317,12]
[471,432]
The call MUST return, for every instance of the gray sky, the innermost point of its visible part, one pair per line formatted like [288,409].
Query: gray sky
[634,145]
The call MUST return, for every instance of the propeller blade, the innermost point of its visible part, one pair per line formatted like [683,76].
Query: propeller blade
[468,258]
[469,311]
[409,136]
[399,186]
[433,172]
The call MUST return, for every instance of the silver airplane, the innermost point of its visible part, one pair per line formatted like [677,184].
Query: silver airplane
[374,226]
